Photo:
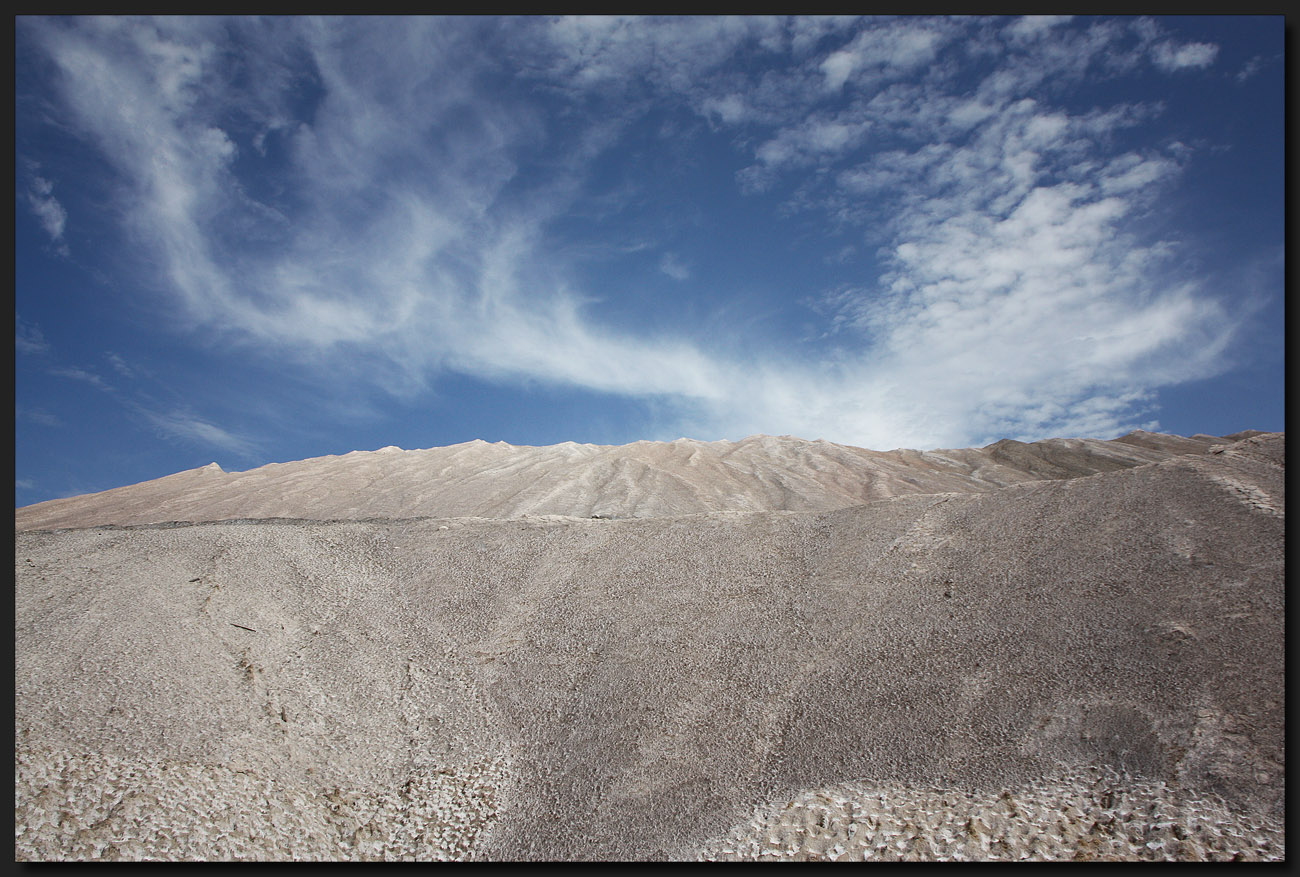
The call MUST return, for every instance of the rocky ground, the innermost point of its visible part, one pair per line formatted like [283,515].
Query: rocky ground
[1084,667]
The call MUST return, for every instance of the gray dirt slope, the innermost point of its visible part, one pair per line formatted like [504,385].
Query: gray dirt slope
[643,479]
[566,688]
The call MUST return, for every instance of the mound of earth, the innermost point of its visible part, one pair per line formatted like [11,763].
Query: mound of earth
[644,479]
[1065,651]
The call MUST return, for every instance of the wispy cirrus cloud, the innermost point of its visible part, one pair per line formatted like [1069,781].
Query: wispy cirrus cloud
[28,339]
[416,180]
[80,374]
[173,423]
[1254,65]
[120,365]
[52,216]
[195,430]
[674,267]
[37,415]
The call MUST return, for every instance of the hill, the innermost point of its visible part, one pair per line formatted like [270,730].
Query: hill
[949,657]
[644,479]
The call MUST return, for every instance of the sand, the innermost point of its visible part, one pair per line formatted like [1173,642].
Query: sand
[1082,667]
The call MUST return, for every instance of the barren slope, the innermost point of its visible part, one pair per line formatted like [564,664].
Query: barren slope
[566,688]
[644,479]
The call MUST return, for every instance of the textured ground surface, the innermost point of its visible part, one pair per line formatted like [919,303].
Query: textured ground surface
[1093,816]
[1085,667]
[645,479]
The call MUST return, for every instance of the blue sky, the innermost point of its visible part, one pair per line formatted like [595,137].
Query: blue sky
[259,240]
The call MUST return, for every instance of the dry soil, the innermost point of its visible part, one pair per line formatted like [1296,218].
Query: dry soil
[1070,650]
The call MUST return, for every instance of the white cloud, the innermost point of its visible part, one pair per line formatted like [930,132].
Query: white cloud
[1029,27]
[1131,172]
[811,141]
[1171,57]
[44,206]
[80,374]
[729,109]
[672,52]
[807,31]
[44,418]
[133,87]
[1250,68]
[47,208]
[407,240]
[120,364]
[1016,303]
[29,339]
[885,51]
[187,427]
[674,267]
[1254,65]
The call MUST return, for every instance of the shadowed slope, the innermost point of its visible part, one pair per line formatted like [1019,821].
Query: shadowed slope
[644,479]
[573,689]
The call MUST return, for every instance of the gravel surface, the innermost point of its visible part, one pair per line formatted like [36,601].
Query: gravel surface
[1094,816]
[1085,667]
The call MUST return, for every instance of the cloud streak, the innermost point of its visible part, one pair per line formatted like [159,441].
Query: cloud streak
[29,340]
[47,208]
[195,430]
[1169,56]
[416,188]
